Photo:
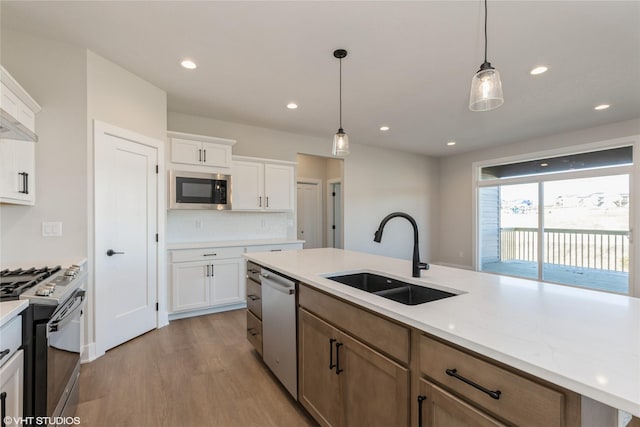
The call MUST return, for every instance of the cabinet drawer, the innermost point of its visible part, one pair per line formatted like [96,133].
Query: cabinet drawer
[254,298]
[207,254]
[521,401]
[10,338]
[274,248]
[254,332]
[380,333]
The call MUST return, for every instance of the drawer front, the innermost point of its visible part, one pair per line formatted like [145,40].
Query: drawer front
[520,401]
[253,271]
[207,254]
[274,248]
[10,338]
[254,298]
[388,337]
[254,332]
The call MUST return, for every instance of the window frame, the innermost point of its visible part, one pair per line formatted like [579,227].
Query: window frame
[634,191]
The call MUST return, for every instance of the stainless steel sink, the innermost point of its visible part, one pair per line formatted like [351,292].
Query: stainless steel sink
[393,289]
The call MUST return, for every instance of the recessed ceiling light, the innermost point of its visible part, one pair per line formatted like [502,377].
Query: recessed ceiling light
[292,106]
[602,107]
[450,143]
[538,70]
[188,64]
[384,128]
[544,164]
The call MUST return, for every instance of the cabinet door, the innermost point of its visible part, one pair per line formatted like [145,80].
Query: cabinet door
[216,155]
[247,185]
[318,384]
[11,375]
[374,389]
[278,187]
[17,171]
[186,151]
[442,409]
[190,285]
[227,281]
[9,101]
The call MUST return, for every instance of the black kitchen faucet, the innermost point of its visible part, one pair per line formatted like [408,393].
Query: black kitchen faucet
[417,265]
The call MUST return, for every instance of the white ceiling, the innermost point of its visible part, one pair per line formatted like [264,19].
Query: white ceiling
[409,65]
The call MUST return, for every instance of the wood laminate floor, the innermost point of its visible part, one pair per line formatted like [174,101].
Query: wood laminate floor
[200,372]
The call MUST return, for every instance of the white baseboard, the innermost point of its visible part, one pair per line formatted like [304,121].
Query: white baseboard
[185,314]
[88,353]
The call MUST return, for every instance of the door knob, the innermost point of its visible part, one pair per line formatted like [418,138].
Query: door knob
[111,252]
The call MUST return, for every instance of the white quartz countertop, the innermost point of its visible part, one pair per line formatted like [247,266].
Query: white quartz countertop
[10,309]
[583,340]
[229,243]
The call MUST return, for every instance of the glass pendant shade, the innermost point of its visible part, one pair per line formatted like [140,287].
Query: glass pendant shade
[340,143]
[486,89]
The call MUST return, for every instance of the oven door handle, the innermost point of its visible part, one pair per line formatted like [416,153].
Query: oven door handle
[57,322]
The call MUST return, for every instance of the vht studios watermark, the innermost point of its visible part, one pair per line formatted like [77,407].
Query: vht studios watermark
[41,421]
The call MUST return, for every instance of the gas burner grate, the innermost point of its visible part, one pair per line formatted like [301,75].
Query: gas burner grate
[14,282]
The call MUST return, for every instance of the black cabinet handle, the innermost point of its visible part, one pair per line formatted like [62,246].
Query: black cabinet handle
[199,154]
[338,370]
[211,254]
[267,201]
[25,182]
[259,201]
[204,156]
[331,364]
[252,331]
[3,353]
[253,297]
[3,407]
[454,373]
[420,400]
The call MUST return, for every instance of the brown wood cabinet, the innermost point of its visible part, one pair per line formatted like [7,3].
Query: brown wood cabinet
[438,408]
[344,382]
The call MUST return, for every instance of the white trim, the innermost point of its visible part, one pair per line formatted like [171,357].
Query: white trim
[634,189]
[262,160]
[88,353]
[204,311]
[97,348]
[201,138]
[318,183]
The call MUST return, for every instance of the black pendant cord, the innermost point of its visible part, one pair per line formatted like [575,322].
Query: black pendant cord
[340,93]
[485,30]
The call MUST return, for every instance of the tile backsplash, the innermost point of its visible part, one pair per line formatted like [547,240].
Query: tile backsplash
[211,226]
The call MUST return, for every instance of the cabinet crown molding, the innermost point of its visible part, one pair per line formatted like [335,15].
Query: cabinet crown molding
[201,138]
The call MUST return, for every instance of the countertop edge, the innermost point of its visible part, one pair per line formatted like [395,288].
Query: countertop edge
[10,309]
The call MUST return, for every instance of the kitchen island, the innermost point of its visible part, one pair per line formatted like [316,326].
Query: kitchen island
[584,341]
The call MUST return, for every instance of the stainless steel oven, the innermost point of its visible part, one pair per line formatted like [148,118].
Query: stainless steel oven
[196,190]
[63,356]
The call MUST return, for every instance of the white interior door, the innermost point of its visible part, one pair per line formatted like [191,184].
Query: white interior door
[309,214]
[126,212]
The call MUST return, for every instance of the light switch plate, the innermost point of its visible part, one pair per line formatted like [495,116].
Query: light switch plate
[51,229]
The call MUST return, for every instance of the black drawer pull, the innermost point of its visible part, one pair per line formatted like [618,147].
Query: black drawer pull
[338,369]
[420,400]
[209,254]
[331,364]
[3,408]
[252,331]
[253,297]
[454,373]
[3,353]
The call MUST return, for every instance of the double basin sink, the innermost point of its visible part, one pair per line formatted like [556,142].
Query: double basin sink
[393,289]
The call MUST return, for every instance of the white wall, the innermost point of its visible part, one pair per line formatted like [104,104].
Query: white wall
[376,181]
[455,241]
[54,75]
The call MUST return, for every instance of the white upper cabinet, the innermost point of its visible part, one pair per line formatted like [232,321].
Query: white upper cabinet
[262,185]
[17,142]
[17,110]
[204,152]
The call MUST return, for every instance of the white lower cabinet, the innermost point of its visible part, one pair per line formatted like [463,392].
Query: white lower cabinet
[204,284]
[11,383]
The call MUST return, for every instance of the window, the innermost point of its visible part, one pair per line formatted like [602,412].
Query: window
[562,219]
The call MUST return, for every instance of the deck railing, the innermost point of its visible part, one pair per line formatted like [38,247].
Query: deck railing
[598,249]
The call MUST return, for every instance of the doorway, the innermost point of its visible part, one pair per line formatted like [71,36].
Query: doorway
[320,201]
[126,189]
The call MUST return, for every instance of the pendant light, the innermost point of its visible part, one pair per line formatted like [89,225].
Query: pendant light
[486,87]
[340,139]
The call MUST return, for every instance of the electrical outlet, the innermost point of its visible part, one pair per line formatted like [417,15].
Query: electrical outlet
[52,229]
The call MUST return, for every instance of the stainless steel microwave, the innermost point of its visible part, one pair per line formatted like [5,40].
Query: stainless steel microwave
[195,190]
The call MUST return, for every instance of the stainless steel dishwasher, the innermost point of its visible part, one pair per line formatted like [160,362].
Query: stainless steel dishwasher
[279,328]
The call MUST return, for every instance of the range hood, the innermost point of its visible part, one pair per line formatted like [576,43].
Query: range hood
[11,128]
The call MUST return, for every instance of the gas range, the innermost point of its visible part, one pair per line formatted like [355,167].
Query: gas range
[46,285]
